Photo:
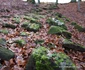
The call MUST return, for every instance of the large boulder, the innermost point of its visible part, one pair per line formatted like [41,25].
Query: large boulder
[57,22]
[6,54]
[43,59]
[4,31]
[68,44]
[23,34]
[59,30]
[31,26]
[9,25]
[78,27]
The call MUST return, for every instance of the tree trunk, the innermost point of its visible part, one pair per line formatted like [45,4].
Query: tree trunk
[38,1]
[73,0]
[79,5]
[56,2]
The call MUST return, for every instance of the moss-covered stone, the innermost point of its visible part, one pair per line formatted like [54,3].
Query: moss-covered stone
[6,54]
[73,23]
[66,19]
[21,42]
[78,27]
[39,41]
[59,15]
[9,25]
[67,34]
[68,44]
[43,59]
[31,19]
[51,45]
[26,17]
[55,30]
[31,26]
[56,22]
[25,24]
[23,34]
[2,42]
[4,31]
[59,30]
[16,20]
[5,16]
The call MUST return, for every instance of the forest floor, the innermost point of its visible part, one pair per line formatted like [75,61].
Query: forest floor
[10,9]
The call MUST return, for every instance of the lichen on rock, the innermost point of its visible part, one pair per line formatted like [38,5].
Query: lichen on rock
[42,59]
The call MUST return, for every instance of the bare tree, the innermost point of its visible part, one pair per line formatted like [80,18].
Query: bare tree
[56,2]
[73,0]
[79,5]
[38,1]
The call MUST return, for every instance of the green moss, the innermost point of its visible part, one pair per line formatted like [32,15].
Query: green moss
[63,61]
[41,62]
[68,44]
[67,34]
[60,31]
[4,31]
[2,42]
[30,19]
[25,24]
[78,27]
[60,19]
[20,42]
[50,21]
[9,25]
[16,20]
[57,22]
[33,27]
[55,30]
[67,41]
[66,19]
[45,60]
[6,54]
[51,45]
[39,41]
[58,14]
[73,23]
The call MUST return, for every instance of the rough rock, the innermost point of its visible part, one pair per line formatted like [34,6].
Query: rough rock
[43,59]
[68,44]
